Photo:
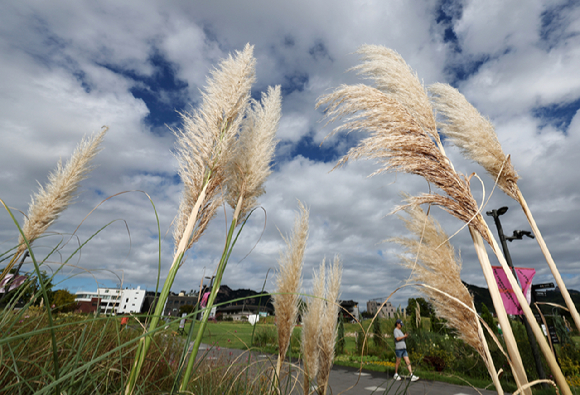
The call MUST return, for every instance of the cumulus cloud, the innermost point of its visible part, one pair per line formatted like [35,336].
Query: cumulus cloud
[68,68]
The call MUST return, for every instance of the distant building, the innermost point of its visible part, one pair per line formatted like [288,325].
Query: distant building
[174,302]
[387,311]
[349,309]
[111,300]
[131,301]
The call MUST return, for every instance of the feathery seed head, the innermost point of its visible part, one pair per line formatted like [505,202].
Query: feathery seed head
[328,326]
[61,189]
[205,141]
[251,159]
[311,320]
[289,280]
[432,260]
[473,134]
[399,143]
[394,77]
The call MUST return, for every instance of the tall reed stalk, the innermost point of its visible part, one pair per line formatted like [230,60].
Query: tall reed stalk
[476,138]
[311,319]
[248,169]
[204,149]
[405,142]
[288,283]
[328,326]
[433,262]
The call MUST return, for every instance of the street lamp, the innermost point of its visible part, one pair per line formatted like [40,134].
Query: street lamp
[518,235]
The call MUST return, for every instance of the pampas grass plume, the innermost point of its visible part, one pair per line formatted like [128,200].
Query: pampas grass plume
[250,164]
[432,260]
[328,325]
[394,77]
[205,141]
[473,134]
[289,281]
[63,183]
[311,320]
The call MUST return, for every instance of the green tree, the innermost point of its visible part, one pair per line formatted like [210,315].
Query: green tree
[340,341]
[425,307]
[488,318]
[64,301]
[378,338]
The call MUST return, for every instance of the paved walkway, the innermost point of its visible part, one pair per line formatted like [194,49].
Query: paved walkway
[347,380]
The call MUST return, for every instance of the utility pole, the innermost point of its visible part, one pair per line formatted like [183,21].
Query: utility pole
[518,235]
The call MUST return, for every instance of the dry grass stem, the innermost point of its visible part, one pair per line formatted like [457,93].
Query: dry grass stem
[311,320]
[289,281]
[399,143]
[205,141]
[61,189]
[394,77]
[250,164]
[328,325]
[474,134]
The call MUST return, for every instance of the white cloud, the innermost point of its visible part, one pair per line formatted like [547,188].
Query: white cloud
[67,69]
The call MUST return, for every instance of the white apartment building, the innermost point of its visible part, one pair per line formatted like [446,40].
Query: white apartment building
[114,301]
[131,301]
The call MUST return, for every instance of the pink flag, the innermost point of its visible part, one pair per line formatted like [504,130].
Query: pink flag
[204,299]
[15,284]
[508,296]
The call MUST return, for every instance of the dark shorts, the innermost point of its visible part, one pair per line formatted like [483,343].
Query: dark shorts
[401,353]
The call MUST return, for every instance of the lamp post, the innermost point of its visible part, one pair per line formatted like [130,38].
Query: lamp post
[518,235]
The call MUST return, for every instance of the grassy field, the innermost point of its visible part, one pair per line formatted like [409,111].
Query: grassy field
[239,335]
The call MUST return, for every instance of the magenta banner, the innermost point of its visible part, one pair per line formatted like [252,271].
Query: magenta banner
[525,275]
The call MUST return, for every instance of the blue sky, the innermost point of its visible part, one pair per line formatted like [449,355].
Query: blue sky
[68,68]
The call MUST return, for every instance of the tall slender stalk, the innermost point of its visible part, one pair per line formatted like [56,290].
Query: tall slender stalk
[502,317]
[207,311]
[45,297]
[553,364]
[145,342]
[553,268]
[204,148]
[288,282]
[249,167]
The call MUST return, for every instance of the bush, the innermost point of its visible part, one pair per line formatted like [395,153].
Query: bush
[265,336]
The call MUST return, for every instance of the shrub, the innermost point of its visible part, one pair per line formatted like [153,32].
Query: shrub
[265,336]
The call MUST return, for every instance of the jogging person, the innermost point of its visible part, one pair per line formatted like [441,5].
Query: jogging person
[401,351]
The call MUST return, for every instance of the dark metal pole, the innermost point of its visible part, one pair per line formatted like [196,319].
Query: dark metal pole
[532,339]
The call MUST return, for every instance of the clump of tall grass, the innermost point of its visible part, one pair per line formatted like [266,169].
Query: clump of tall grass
[224,150]
[402,140]
[288,283]
[319,329]
[475,136]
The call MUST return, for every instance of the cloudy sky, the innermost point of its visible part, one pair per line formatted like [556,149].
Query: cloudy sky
[69,67]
